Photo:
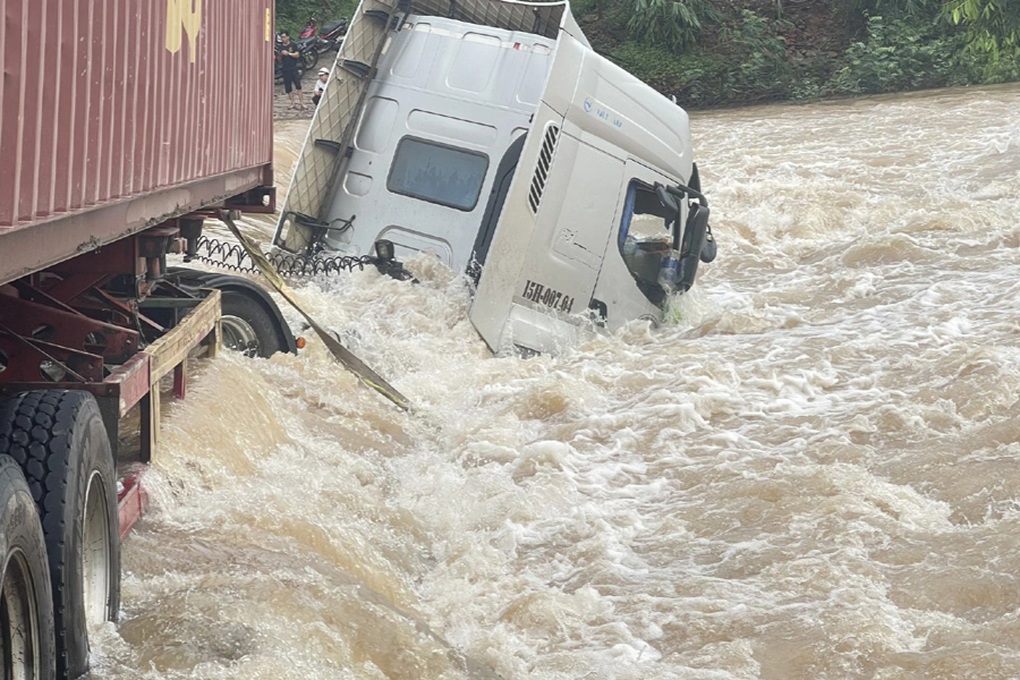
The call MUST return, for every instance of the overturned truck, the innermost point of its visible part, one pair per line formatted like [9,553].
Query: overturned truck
[115,146]
[490,134]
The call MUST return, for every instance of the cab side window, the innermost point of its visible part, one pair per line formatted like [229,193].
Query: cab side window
[437,173]
[644,237]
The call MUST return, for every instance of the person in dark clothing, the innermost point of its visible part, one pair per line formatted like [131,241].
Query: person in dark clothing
[289,60]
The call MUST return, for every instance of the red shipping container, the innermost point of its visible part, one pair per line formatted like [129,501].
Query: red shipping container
[119,114]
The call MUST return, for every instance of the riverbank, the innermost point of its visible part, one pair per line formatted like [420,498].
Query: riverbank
[799,50]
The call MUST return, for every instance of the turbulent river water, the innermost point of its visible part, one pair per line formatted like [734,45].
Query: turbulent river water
[812,473]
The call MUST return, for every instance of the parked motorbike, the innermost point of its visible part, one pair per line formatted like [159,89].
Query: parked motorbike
[307,49]
[310,29]
[311,44]
[332,35]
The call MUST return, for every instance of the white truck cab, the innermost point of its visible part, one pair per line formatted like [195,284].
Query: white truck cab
[490,134]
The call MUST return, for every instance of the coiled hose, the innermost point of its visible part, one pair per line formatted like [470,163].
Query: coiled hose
[232,256]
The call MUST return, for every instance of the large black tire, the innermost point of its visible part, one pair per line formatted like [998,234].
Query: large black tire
[58,438]
[26,612]
[248,327]
[252,323]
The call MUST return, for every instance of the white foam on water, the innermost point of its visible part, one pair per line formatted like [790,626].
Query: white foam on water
[808,473]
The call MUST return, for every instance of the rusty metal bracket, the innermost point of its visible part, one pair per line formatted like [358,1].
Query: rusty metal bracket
[70,329]
[27,358]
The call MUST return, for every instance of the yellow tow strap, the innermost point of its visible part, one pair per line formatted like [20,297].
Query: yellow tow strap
[352,363]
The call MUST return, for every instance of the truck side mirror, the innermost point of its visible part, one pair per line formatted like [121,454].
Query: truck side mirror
[667,200]
[693,245]
[708,250]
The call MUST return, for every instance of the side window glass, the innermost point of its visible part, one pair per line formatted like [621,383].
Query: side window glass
[437,173]
[644,237]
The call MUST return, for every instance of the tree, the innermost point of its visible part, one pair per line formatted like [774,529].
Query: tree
[896,7]
[673,24]
[993,25]
[291,15]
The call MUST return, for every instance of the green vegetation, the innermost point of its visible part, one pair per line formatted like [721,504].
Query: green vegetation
[669,23]
[993,26]
[292,15]
[726,52]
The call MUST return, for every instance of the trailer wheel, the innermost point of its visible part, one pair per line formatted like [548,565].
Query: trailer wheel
[58,438]
[248,326]
[26,601]
[251,321]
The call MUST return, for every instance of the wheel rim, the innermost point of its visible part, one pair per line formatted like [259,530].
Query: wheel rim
[95,553]
[18,621]
[239,335]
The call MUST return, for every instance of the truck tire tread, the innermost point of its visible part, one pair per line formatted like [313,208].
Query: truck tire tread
[21,530]
[49,434]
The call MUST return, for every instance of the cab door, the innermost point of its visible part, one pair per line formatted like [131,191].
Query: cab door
[627,286]
[547,248]
[547,251]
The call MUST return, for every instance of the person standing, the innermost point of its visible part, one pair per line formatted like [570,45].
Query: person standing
[320,86]
[290,58]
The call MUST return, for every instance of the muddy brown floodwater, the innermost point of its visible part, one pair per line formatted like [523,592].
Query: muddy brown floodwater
[811,473]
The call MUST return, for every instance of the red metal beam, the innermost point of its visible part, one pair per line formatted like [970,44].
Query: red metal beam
[131,501]
[181,380]
[70,329]
[26,358]
[130,382]
[78,283]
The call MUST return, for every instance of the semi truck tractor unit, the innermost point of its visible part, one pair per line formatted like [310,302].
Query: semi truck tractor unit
[489,134]
[118,141]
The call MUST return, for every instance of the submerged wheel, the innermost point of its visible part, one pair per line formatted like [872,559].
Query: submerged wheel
[247,326]
[58,438]
[251,322]
[26,601]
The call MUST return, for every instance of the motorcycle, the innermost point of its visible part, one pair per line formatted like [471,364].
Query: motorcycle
[332,35]
[311,44]
[310,29]
[307,49]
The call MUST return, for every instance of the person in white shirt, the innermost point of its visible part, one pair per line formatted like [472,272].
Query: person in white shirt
[320,86]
